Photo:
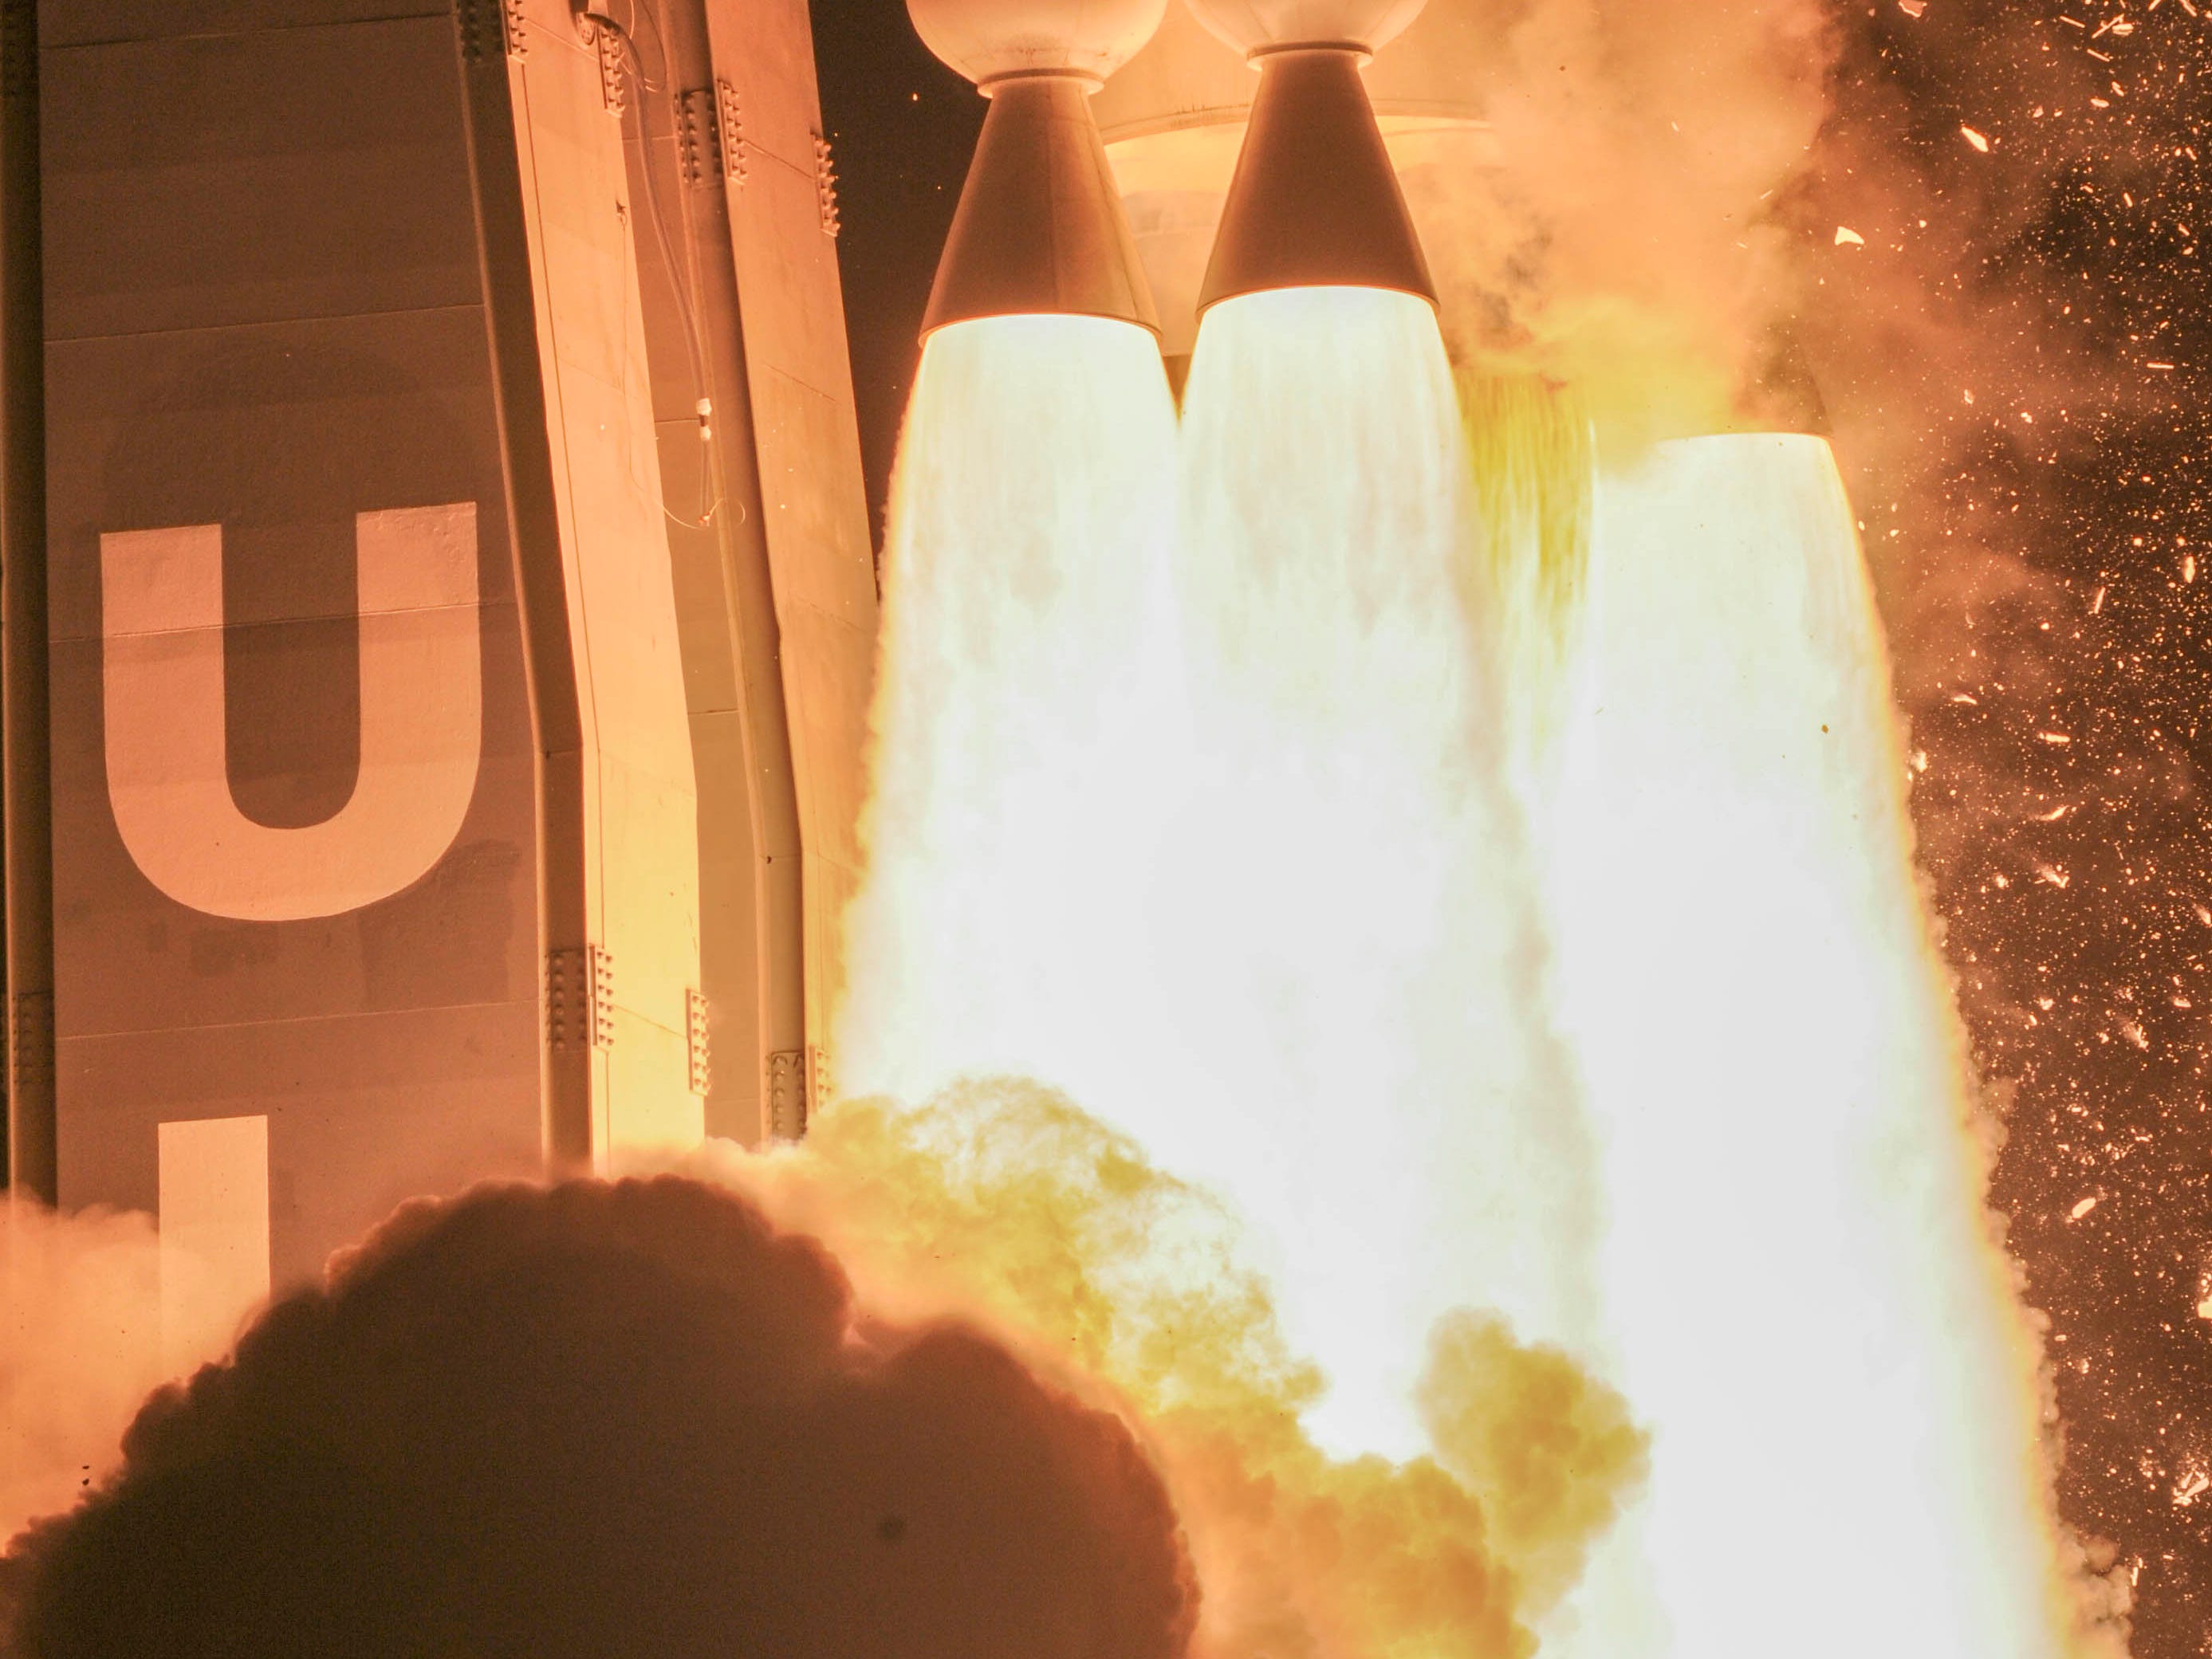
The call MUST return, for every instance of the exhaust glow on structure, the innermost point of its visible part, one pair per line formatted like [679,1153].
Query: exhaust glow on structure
[1039,230]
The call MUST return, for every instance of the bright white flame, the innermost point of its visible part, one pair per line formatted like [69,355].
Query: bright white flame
[1021,716]
[1361,989]
[1243,883]
[1807,1306]
[1205,821]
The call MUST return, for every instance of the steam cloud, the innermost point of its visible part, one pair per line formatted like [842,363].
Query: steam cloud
[601,1419]
[85,1334]
[1624,236]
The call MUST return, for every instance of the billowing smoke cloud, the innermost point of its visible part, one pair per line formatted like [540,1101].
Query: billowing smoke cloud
[611,1419]
[1623,236]
[1004,1202]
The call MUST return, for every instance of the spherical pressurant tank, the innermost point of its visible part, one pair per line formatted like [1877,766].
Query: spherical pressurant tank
[1259,26]
[989,41]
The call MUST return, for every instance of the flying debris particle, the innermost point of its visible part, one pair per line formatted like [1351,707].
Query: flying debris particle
[2187,1489]
[1970,396]
[2188,567]
[2204,1307]
[1976,139]
[1967,698]
[1912,8]
[2203,913]
[2136,1033]
[2096,602]
[2052,875]
[2054,814]
[1845,236]
[2083,1208]
[2058,738]
[2158,365]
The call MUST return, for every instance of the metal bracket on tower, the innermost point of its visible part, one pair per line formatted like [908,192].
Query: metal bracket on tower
[732,120]
[31,1042]
[825,185]
[614,79]
[699,1042]
[698,136]
[798,1084]
[489,28]
[579,998]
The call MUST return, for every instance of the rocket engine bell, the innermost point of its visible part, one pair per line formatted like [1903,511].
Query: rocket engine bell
[1315,202]
[1039,229]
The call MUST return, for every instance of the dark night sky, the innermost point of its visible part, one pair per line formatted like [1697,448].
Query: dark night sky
[2037,547]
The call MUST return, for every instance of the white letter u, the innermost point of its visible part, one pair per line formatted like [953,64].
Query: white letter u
[422,709]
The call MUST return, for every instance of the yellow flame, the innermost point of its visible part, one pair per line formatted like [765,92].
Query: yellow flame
[1532,457]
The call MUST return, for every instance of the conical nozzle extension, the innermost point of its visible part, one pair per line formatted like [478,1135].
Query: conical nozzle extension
[1039,229]
[1315,202]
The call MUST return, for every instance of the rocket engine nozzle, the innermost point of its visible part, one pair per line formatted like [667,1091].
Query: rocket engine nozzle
[1040,228]
[1315,202]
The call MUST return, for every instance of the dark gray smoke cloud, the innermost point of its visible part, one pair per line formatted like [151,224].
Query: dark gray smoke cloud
[604,1420]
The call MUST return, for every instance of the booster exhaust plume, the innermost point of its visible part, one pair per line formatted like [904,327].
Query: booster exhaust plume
[1800,1280]
[1039,230]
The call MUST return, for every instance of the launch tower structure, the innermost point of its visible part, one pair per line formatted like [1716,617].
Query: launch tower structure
[439,602]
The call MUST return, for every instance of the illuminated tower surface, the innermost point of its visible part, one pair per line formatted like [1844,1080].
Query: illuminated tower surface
[447,640]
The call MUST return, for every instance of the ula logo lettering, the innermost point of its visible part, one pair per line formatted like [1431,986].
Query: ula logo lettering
[421,720]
